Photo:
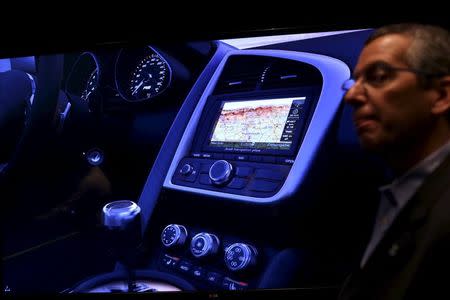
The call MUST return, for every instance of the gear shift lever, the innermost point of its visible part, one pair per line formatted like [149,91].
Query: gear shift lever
[121,220]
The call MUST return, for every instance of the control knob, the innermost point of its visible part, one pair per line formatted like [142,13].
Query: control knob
[220,172]
[204,244]
[186,169]
[240,256]
[173,235]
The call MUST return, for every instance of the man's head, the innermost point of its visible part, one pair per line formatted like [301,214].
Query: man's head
[401,95]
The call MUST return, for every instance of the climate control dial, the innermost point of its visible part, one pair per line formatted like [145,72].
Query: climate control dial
[173,235]
[240,256]
[204,244]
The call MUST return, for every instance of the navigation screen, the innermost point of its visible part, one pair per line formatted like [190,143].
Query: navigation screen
[257,124]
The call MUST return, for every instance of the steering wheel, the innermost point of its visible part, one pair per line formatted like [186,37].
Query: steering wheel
[39,122]
[146,281]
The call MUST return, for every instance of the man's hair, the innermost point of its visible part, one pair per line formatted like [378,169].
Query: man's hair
[429,51]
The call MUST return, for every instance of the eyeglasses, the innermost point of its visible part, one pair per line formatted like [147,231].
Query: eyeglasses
[379,74]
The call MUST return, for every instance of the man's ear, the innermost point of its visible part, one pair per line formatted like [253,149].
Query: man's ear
[441,105]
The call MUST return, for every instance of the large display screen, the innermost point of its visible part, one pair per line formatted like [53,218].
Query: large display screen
[267,124]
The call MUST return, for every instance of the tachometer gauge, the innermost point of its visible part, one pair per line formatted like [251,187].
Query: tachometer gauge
[91,85]
[84,78]
[149,78]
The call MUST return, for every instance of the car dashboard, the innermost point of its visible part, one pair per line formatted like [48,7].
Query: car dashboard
[232,159]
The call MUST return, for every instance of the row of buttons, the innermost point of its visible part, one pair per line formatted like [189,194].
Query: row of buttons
[245,157]
[251,177]
[248,171]
[202,274]
[264,180]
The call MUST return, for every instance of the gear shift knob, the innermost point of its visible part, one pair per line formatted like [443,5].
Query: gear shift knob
[121,223]
[120,214]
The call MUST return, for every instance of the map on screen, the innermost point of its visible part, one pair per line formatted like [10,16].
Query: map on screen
[257,123]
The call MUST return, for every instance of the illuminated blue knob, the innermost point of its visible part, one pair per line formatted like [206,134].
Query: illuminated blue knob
[204,244]
[174,235]
[186,169]
[240,256]
[220,172]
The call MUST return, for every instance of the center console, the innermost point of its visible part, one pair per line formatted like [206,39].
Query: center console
[251,137]
[210,260]
[258,125]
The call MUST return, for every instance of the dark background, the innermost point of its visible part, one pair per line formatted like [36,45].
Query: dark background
[30,29]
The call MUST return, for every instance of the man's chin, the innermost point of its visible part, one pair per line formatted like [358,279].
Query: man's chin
[371,144]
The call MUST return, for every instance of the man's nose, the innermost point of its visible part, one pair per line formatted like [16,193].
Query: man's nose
[356,94]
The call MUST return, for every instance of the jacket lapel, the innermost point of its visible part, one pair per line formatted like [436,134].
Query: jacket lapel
[399,243]
[399,240]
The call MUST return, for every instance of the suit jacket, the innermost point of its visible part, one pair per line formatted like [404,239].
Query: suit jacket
[412,261]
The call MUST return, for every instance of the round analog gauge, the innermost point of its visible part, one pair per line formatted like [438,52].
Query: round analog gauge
[91,85]
[150,77]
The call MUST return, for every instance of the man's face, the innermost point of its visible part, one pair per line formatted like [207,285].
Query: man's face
[390,107]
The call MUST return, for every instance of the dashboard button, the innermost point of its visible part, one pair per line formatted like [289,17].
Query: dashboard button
[268,159]
[214,278]
[269,174]
[190,178]
[241,157]
[198,272]
[232,285]
[243,171]
[205,168]
[204,179]
[259,185]
[255,158]
[285,160]
[170,261]
[185,266]
[237,183]
[218,155]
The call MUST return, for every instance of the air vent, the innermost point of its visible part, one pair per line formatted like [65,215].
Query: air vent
[242,73]
[285,73]
[247,73]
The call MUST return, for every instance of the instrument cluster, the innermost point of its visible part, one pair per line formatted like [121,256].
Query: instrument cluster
[141,74]
[137,74]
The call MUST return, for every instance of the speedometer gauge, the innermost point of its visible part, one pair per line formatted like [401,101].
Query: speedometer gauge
[149,78]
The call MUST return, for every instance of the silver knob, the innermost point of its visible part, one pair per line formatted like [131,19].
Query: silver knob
[240,256]
[186,169]
[120,214]
[173,235]
[220,172]
[204,244]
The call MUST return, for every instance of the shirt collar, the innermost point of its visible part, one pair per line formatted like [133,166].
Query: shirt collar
[403,188]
